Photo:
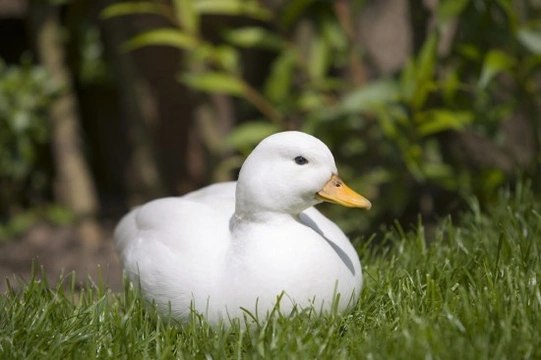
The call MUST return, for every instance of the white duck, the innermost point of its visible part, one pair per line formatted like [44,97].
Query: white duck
[234,246]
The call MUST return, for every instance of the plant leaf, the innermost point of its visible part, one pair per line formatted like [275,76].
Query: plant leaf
[496,61]
[254,36]
[294,9]
[389,118]
[279,81]
[187,15]
[227,57]
[424,70]
[165,36]
[530,39]
[318,61]
[438,120]
[370,96]
[131,8]
[232,7]
[311,101]
[449,9]
[247,135]
[216,82]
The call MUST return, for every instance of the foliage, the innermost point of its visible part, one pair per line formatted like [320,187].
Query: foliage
[471,293]
[389,135]
[18,223]
[26,91]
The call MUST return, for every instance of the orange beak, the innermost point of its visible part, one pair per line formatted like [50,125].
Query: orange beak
[335,191]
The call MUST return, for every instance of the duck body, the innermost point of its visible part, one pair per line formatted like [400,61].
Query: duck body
[238,246]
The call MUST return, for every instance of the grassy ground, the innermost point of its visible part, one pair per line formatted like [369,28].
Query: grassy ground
[472,293]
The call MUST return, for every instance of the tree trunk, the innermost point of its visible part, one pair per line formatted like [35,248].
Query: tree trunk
[138,114]
[74,187]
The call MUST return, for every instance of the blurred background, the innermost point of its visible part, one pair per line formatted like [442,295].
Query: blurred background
[106,104]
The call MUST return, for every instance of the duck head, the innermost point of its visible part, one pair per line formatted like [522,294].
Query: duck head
[289,172]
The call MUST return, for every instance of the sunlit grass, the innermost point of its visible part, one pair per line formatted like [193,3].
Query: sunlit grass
[472,293]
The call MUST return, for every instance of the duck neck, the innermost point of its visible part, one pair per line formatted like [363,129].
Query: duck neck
[240,217]
[256,202]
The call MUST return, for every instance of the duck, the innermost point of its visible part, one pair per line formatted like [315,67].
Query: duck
[243,249]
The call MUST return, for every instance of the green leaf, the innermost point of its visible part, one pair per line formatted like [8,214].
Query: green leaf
[280,79]
[224,58]
[165,36]
[390,118]
[433,165]
[434,121]
[449,9]
[187,15]
[469,51]
[407,80]
[318,61]
[249,8]
[496,61]
[247,135]
[412,156]
[437,170]
[370,96]
[310,101]
[424,71]
[254,36]
[427,57]
[215,82]
[336,37]
[417,77]
[131,8]
[530,39]
[227,57]
[511,14]
[294,9]
[204,53]
[450,84]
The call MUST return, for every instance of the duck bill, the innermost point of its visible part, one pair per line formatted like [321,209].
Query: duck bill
[335,191]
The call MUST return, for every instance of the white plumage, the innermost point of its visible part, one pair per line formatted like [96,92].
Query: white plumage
[241,244]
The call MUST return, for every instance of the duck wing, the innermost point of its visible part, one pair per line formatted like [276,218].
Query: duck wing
[181,223]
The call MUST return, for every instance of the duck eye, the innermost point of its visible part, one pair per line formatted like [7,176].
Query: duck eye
[300,160]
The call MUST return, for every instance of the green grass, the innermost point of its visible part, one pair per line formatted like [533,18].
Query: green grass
[472,293]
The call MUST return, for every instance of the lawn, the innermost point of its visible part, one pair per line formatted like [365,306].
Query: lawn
[469,291]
